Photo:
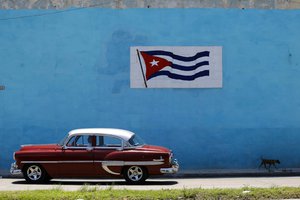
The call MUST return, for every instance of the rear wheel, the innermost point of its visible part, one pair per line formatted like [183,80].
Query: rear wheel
[135,174]
[34,173]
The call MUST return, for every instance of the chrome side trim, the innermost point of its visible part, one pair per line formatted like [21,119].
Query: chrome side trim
[76,148]
[144,163]
[111,163]
[105,167]
[115,148]
[67,161]
[108,163]
[127,163]
[91,148]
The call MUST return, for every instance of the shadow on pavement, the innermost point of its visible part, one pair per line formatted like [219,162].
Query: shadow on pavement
[112,183]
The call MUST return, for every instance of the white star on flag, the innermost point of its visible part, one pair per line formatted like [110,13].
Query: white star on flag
[154,62]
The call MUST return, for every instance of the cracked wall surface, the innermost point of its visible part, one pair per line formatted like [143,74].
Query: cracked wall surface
[123,4]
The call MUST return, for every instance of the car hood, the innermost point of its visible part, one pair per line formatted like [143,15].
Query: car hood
[39,147]
[153,148]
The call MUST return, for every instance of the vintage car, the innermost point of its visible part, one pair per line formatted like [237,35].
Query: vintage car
[94,153]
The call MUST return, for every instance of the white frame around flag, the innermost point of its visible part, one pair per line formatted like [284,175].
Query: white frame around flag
[138,67]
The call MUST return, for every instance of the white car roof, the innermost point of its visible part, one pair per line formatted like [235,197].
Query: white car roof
[124,134]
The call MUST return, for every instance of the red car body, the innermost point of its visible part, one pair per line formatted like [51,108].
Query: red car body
[94,153]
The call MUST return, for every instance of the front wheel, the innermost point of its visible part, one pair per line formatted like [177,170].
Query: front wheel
[135,174]
[35,174]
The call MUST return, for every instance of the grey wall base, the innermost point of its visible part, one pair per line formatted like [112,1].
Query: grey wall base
[122,4]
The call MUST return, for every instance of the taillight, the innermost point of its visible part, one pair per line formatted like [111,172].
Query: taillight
[171,157]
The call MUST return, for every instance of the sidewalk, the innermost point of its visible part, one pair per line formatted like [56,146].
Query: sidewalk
[152,184]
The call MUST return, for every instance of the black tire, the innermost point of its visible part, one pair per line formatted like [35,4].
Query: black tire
[135,174]
[35,173]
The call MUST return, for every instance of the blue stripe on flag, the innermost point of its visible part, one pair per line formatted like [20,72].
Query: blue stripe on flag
[180,77]
[177,57]
[189,68]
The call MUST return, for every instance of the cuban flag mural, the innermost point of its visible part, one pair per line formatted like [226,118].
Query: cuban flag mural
[176,67]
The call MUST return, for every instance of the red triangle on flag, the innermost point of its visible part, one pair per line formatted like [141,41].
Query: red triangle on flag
[154,64]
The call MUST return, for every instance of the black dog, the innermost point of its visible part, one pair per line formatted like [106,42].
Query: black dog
[265,162]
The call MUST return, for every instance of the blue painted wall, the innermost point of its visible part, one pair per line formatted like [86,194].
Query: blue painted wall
[71,70]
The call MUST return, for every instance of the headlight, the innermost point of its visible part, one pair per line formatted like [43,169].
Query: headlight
[14,156]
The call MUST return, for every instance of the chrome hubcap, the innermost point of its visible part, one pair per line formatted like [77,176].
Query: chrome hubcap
[135,173]
[34,172]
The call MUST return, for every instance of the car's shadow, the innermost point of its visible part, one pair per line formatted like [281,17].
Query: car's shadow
[99,182]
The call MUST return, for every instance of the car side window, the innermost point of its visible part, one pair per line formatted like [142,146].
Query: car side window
[107,141]
[71,142]
[80,141]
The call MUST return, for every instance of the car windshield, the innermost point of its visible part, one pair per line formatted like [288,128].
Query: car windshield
[135,140]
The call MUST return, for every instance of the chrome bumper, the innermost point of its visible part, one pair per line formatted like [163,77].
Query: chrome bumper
[14,170]
[172,170]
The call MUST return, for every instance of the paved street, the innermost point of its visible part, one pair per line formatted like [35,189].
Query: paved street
[154,184]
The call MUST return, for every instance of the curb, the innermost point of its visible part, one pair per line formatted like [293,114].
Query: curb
[213,173]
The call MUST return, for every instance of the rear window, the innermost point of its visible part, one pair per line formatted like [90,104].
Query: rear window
[135,140]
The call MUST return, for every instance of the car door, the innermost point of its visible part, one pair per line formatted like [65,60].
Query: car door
[77,157]
[107,156]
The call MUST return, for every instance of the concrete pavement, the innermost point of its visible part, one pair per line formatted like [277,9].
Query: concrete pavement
[10,184]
